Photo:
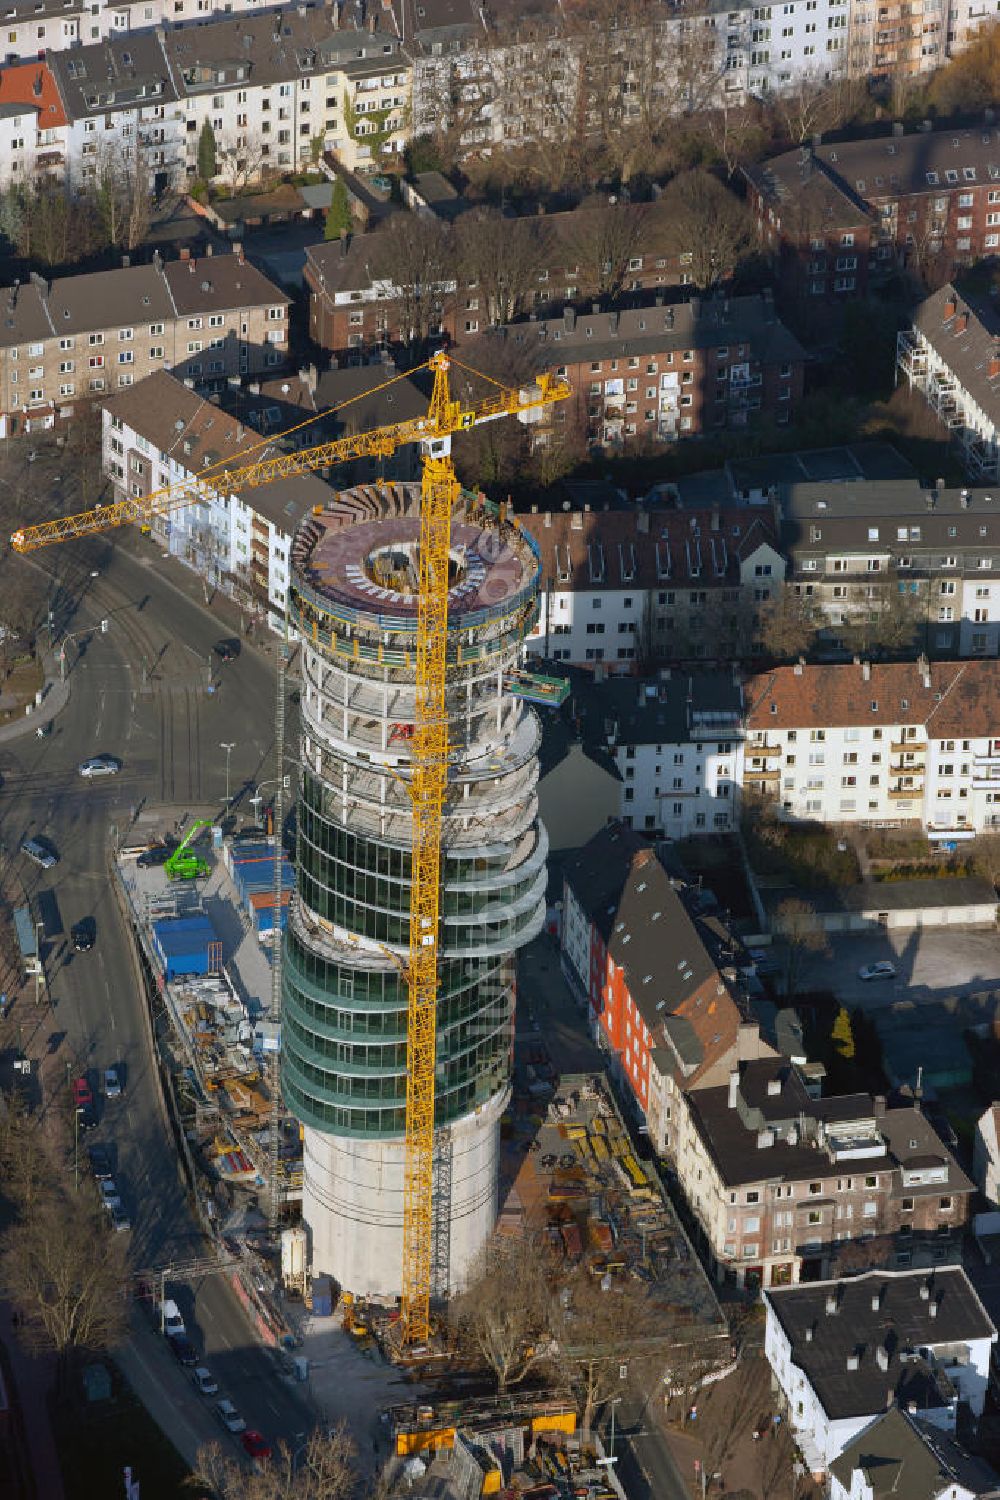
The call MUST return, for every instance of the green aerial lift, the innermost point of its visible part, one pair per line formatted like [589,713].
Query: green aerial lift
[184,864]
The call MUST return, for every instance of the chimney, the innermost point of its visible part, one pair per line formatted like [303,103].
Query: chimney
[716,521]
[808,1334]
[878,1104]
[734,1087]
[695,309]
[925,1291]
[208,248]
[595,307]
[773,1087]
[950,308]
[612,322]
[548,518]
[993,368]
[799,667]
[238,251]
[126,262]
[185,253]
[961,322]
[897,127]
[817,140]
[831,1304]
[882,1357]
[933,1309]
[569,319]
[642,522]
[866,671]
[876,1301]
[854,1360]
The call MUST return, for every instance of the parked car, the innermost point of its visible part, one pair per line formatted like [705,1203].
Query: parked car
[229,1416]
[41,852]
[227,650]
[882,970]
[256,1445]
[100,1162]
[82,935]
[83,1096]
[119,1218]
[99,765]
[183,1350]
[157,855]
[110,1196]
[205,1382]
[112,1084]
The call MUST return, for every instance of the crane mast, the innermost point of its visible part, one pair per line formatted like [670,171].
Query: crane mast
[429,746]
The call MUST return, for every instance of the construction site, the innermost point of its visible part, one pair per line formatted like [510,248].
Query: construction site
[202,938]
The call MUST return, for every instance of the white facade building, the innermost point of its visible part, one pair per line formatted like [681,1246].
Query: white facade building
[841,1351]
[896,743]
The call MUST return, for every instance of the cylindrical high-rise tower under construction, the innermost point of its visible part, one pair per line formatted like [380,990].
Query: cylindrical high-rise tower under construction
[344,1033]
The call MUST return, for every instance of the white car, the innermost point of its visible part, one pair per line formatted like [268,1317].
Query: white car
[229,1416]
[112,1084]
[205,1382]
[99,765]
[882,970]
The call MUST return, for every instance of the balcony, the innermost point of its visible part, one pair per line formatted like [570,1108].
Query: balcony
[764,777]
[905,793]
[900,747]
[907,768]
[764,752]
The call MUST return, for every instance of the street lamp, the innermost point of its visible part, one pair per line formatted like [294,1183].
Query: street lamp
[39,929]
[74,635]
[229,747]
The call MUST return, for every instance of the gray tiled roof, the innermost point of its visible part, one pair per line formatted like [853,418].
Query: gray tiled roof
[901,1455]
[965,332]
[178,422]
[597,873]
[124,70]
[657,944]
[130,296]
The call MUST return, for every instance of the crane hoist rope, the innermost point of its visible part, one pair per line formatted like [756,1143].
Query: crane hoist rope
[429,742]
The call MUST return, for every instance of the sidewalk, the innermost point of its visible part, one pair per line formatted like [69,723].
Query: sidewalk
[55,696]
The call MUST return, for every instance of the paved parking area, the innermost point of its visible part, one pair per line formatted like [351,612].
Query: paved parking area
[931,965]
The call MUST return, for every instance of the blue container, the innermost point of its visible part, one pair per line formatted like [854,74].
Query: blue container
[322,1297]
[186,945]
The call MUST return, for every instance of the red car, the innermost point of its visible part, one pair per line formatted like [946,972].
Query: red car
[256,1444]
[82,1096]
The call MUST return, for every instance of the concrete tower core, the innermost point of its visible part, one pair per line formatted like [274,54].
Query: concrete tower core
[353,605]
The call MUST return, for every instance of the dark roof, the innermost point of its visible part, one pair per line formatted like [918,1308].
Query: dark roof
[286,502]
[178,422]
[698,324]
[841,181]
[648,549]
[597,874]
[121,71]
[670,711]
[657,944]
[902,1322]
[902,1456]
[855,461]
[965,332]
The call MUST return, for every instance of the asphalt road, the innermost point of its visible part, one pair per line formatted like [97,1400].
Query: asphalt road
[140,692]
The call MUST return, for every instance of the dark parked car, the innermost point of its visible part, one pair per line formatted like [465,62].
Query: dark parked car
[227,650]
[183,1350]
[83,935]
[100,1162]
[158,855]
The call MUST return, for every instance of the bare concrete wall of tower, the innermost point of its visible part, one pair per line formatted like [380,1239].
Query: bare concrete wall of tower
[352,1202]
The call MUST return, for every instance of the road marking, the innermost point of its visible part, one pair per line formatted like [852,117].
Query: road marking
[131,1122]
[112,1016]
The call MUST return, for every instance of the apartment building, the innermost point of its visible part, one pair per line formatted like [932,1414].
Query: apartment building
[844,1352]
[781,1181]
[951,355]
[38,28]
[676,746]
[81,337]
[593,881]
[161,433]
[353,304]
[623,588]
[928,559]
[929,200]
[277,88]
[663,373]
[883,744]
[33,125]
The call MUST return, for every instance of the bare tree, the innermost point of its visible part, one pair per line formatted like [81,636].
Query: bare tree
[504,1313]
[502,257]
[797,923]
[600,1328]
[324,1469]
[886,616]
[856,1256]
[241,160]
[65,1271]
[737,133]
[775,1455]
[121,191]
[709,223]
[787,624]
[414,255]
[606,237]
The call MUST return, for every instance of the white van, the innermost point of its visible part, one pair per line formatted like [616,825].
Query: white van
[171,1321]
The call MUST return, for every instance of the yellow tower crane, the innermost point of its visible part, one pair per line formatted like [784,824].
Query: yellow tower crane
[429,747]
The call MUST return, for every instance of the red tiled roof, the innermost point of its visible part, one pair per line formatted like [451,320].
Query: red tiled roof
[33,85]
[950,698]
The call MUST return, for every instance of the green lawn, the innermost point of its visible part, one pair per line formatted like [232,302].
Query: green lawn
[97,1439]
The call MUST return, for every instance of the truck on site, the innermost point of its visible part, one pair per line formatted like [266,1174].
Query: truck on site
[184,863]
